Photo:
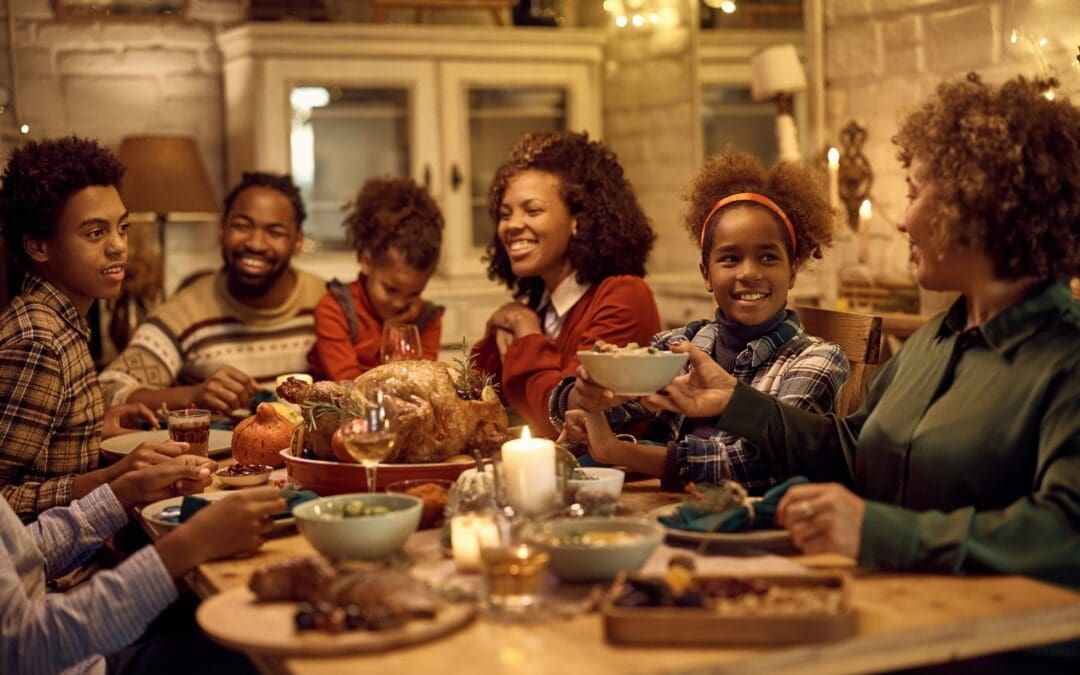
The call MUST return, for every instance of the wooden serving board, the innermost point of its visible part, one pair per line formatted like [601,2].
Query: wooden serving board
[695,626]
[237,621]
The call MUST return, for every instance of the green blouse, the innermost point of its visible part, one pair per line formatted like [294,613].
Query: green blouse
[967,449]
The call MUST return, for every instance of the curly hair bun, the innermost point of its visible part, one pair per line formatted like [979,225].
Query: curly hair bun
[395,213]
[797,190]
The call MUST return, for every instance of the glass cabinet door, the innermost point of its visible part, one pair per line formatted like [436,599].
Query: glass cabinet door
[486,109]
[730,115]
[339,138]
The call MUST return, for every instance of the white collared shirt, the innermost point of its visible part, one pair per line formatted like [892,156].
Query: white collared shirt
[554,306]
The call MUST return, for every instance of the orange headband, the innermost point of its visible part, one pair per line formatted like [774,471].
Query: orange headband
[749,197]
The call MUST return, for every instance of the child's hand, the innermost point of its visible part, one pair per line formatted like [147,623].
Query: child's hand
[594,429]
[411,312]
[587,394]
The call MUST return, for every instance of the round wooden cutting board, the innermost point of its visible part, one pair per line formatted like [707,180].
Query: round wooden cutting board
[234,619]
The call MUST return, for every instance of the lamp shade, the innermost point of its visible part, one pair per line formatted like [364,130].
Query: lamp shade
[776,70]
[165,174]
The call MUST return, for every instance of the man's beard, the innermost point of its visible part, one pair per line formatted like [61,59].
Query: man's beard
[252,286]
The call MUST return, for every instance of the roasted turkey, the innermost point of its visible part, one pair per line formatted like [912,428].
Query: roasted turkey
[433,421]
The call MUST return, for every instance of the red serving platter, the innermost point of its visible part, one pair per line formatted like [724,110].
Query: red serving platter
[334,478]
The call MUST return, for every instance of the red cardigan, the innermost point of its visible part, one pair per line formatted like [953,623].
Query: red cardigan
[619,309]
[336,357]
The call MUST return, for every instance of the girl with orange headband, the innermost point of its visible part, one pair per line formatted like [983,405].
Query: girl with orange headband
[756,229]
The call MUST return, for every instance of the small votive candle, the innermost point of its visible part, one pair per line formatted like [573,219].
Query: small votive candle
[469,533]
[529,466]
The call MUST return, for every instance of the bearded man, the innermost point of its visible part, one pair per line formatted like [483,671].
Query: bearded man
[226,335]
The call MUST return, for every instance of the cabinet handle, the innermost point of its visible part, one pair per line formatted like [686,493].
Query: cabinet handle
[427,177]
[455,177]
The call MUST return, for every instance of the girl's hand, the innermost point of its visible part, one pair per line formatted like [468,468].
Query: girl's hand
[587,394]
[161,481]
[703,392]
[593,428]
[123,419]
[823,518]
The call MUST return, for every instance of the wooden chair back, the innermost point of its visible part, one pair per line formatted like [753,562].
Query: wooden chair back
[859,335]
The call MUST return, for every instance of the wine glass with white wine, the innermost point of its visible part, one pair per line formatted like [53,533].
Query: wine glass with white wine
[369,438]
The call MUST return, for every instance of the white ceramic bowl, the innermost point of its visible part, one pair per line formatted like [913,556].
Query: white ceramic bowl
[361,537]
[249,480]
[632,374]
[583,562]
[605,480]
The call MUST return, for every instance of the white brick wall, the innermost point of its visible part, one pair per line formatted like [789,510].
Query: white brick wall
[111,79]
[650,121]
[885,56]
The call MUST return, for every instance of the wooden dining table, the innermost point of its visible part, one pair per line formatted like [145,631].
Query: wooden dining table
[904,620]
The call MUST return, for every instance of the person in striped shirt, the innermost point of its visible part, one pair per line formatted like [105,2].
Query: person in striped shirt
[217,341]
[756,228]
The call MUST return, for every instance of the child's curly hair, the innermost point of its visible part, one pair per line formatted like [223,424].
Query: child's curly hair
[395,213]
[1005,163]
[39,179]
[795,189]
[613,234]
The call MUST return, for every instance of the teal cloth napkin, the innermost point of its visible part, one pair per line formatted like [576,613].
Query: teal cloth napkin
[192,503]
[688,517]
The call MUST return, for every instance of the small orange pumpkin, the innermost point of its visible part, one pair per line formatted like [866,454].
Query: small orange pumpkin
[260,439]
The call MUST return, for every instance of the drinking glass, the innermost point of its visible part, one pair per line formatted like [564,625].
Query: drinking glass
[369,438]
[191,426]
[400,342]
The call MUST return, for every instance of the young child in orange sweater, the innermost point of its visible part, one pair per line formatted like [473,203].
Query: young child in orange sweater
[396,228]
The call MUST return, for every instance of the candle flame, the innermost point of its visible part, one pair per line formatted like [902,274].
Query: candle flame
[834,157]
[525,433]
[865,209]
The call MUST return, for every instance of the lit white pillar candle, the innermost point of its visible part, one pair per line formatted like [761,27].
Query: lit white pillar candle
[866,212]
[469,533]
[834,178]
[529,465]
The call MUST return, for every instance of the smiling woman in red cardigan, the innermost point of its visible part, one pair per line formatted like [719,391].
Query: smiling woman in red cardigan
[571,242]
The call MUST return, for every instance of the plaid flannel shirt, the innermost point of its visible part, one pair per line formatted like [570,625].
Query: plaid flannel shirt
[796,368]
[50,404]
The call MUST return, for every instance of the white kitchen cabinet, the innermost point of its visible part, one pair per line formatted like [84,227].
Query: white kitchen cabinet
[440,104]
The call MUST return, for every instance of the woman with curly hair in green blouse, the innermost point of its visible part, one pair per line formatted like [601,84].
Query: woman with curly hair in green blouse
[966,455]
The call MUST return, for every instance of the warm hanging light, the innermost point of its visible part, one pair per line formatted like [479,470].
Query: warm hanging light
[638,20]
[728,7]
[621,21]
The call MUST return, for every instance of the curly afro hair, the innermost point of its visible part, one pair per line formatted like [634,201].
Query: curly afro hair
[1005,163]
[795,189]
[280,182]
[395,213]
[613,234]
[39,179]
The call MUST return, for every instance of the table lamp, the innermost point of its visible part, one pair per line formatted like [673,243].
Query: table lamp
[776,75]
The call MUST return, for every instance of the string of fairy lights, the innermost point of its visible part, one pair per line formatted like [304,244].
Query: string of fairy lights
[645,13]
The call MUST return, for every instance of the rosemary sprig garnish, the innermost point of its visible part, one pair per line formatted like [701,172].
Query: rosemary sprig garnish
[470,382]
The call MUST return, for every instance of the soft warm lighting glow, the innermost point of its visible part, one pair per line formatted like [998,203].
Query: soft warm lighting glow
[1043,42]
[309,97]
[638,20]
[654,18]
[1049,94]
[1014,36]
[621,21]
[669,17]
[727,7]
[609,5]
[525,433]
[865,210]
[25,128]
[834,157]
[715,4]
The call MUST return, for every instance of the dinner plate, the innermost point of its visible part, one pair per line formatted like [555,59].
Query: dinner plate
[220,442]
[152,512]
[236,620]
[774,540]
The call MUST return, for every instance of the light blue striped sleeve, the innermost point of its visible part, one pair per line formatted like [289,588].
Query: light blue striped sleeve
[101,616]
[68,536]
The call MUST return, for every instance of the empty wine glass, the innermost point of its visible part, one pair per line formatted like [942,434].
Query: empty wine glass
[368,438]
[400,342]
